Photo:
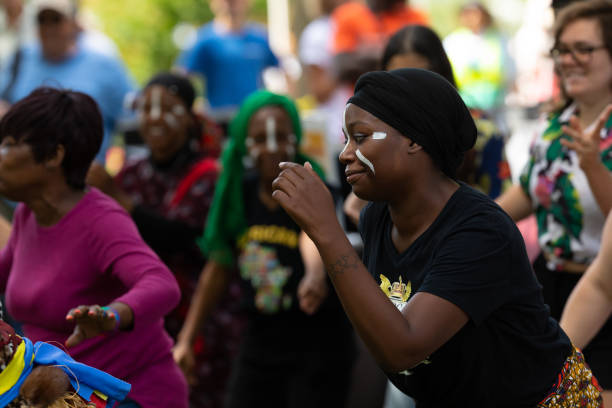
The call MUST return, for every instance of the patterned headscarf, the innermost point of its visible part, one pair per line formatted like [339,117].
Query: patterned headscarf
[226,218]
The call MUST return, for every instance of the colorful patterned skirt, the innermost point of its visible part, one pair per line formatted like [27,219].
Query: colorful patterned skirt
[576,386]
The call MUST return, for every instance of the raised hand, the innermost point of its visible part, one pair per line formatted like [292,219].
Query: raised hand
[300,191]
[586,145]
[91,321]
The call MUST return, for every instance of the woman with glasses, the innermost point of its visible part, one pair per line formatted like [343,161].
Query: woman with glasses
[567,179]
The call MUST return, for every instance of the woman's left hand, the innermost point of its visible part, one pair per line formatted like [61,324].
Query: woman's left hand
[91,321]
[300,191]
[586,145]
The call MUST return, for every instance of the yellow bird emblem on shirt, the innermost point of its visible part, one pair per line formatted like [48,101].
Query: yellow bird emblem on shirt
[397,290]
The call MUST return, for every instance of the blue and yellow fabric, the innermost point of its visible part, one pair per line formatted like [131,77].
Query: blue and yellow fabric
[89,383]
[15,373]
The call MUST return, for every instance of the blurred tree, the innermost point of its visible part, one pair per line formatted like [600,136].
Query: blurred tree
[143,29]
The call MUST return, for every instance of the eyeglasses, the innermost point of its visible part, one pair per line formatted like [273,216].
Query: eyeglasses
[49,18]
[580,52]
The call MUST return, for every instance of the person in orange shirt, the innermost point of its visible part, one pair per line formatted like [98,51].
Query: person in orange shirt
[358,25]
[362,30]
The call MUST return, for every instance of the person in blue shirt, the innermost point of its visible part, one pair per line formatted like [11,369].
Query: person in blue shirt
[231,54]
[61,60]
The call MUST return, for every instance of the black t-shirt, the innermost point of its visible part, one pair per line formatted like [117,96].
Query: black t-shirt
[271,268]
[510,352]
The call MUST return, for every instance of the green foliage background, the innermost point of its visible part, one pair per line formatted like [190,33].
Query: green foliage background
[142,29]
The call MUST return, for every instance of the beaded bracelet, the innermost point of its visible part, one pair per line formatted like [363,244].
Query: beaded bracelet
[117,318]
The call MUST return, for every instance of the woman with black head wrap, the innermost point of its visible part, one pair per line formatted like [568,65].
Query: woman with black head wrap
[454,314]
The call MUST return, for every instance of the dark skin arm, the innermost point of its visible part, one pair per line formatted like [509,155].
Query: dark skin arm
[398,340]
[91,321]
[212,285]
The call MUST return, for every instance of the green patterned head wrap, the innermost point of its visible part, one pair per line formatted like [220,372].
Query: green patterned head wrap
[226,218]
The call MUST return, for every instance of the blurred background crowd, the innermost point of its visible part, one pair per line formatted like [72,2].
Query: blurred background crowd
[178,82]
[503,66]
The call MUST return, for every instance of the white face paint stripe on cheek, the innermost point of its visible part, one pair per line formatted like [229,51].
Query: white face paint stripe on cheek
[379,135]
[171,120]
[178,110]
[252,151]
[155,103]
[365,161]
[271,144]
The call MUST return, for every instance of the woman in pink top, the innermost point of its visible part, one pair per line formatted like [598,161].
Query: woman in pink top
[72,249]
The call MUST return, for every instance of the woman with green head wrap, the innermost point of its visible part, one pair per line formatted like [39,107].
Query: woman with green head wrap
[284,360]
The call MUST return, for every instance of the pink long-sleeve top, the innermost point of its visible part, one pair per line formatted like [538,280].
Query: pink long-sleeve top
[94,255]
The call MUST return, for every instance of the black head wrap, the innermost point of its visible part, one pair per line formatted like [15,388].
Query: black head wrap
[422,106]
[176,84]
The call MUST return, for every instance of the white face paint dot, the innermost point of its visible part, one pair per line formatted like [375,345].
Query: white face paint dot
[379,135]
[178,110]
[171,120]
